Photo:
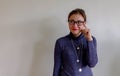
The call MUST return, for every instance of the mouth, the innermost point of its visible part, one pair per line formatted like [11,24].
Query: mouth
[75,29]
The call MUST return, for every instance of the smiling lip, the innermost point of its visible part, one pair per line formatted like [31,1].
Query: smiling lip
[75,29]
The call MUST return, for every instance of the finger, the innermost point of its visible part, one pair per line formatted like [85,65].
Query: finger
[84,24]
[81,28]
[86,31]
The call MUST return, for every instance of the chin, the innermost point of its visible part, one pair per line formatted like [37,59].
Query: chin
[76,33]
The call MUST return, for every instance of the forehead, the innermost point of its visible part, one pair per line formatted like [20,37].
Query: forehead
[76,17]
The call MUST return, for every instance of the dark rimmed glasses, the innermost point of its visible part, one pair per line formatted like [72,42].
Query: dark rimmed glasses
[72,22]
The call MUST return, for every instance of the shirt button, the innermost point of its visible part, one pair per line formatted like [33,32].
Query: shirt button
[80,70]
[77,60]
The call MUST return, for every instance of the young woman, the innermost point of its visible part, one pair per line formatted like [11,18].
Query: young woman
[76,53]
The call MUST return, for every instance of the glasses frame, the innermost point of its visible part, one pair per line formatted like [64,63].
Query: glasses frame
[73,22]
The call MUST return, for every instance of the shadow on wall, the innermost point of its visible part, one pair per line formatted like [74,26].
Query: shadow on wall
[43,53]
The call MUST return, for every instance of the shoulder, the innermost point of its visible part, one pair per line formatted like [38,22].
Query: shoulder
[64,38]
[62,41]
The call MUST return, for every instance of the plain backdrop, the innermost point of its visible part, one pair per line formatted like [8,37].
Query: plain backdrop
[29,29]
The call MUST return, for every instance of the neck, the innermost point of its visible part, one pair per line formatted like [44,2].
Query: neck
[76,35]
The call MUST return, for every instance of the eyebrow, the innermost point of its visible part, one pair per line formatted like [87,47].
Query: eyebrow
[74,20]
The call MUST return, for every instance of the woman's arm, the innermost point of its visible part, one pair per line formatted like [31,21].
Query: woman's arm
[57,59]
[91,56]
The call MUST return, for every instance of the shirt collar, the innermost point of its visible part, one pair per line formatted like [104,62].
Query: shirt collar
[76,38]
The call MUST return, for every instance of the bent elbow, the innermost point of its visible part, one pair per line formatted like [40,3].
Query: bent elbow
[93,63]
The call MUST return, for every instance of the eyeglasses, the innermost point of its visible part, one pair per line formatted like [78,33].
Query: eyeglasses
[72,22]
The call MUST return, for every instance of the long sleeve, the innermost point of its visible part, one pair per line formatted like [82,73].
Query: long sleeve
[57,59]
[91,56]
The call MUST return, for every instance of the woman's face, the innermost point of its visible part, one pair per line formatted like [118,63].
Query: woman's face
[76,23]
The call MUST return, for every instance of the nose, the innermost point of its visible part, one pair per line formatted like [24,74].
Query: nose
[75,25]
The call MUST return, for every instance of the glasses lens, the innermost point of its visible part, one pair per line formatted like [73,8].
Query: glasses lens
[79,22]
[72,22]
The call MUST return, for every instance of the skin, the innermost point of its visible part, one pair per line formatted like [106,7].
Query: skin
[77,30]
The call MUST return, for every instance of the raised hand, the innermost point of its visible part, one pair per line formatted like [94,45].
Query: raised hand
[86,32]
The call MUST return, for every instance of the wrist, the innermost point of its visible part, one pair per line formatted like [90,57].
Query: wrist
[90,39]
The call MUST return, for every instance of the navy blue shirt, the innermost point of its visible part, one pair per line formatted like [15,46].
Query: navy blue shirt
[68,61]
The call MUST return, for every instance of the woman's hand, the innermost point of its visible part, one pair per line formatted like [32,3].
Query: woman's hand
[86,32]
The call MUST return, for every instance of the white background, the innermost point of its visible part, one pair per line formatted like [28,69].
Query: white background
[29,29]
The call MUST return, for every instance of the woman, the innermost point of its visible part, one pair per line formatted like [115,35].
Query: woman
[76,53]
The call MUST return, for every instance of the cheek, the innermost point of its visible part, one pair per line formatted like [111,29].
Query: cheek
[69,26]
[82,27]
